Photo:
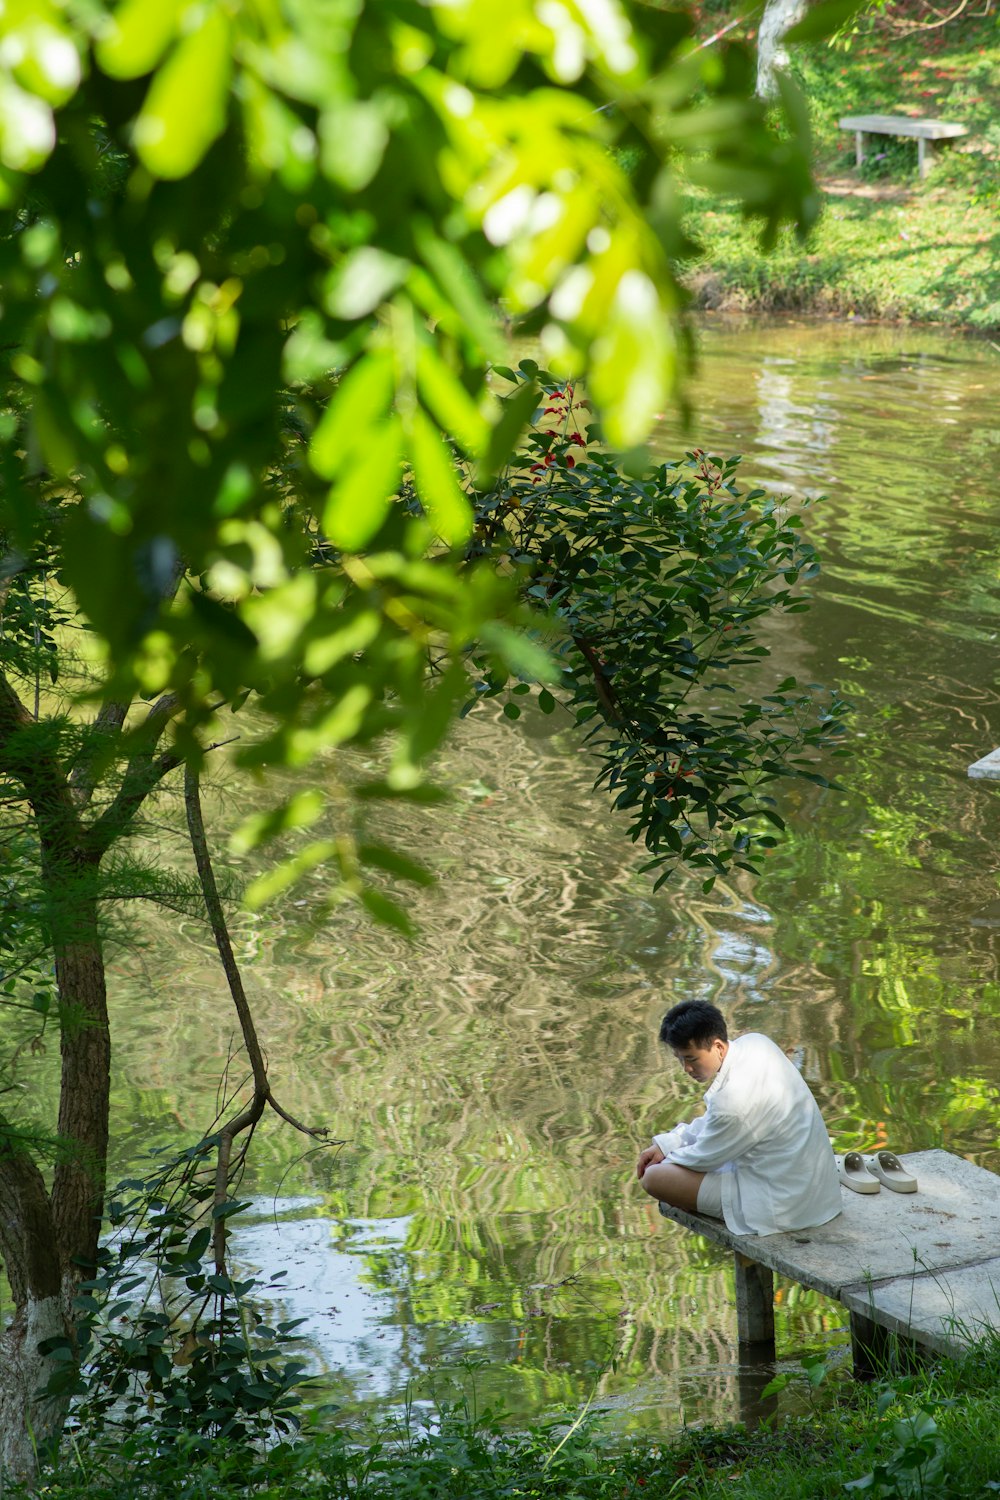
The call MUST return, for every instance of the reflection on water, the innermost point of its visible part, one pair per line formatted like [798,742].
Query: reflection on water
[492,1081]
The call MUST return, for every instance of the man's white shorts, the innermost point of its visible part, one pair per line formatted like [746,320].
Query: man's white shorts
[710,1195]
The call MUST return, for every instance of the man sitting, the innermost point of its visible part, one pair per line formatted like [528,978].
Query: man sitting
[760,1156]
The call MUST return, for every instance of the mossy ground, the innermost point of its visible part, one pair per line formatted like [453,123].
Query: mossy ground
[887,244]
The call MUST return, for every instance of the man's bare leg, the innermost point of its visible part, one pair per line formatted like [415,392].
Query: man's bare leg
[669,1183]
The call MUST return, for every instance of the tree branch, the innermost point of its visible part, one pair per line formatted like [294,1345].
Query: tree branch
[83,777]
[142,774]
[44,781]
[249,1116]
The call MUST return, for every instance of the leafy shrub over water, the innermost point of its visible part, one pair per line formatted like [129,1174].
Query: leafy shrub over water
[168,1341]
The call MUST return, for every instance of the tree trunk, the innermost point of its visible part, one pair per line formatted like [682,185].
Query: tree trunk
[49,1241]
[84,1095]
[779,16]
[28,1425]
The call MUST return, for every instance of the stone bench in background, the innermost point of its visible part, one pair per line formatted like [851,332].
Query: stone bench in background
[924,131]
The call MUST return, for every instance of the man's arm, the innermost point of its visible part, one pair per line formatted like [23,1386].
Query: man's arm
[684,1134]
[664,1145]
[722,1138]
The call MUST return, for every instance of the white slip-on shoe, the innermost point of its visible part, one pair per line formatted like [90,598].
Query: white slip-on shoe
[854,1174]
[887,1168]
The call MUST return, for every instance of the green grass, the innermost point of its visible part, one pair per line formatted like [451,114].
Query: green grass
[932,1433]
[886,244]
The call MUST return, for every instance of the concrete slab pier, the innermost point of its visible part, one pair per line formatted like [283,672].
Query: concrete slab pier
[923,1266]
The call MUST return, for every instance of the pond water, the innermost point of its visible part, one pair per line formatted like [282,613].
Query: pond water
[492,1081]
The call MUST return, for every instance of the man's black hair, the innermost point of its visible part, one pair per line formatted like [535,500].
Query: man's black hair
[693,1021]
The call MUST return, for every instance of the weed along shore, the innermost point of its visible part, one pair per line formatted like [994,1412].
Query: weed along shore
[887,244]
[929,1433]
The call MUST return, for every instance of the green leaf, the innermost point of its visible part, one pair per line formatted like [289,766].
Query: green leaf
[199,1243]
[515,413]
[449,401]
[394,863]
[227,1209]
[222,621]
[185,109]
[360,402]
[280,877]
[135,37]
[797,109]
[422,794]
[634,361]
[359,502]
[298,811]
[363,280]
[453,275]
[349,637]
[353,137]
[823,20]
[447,508]
[519,653]
[388,912]
[55,436]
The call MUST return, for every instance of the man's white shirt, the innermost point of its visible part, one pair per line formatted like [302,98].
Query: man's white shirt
[762,1130]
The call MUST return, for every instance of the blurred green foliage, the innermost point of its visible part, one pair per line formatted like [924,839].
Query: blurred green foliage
[210,206]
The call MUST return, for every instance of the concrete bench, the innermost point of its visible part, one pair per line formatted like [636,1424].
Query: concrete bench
[925,131]
[919,1267]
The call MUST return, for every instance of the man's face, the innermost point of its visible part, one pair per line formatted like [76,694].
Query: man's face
[701,1063]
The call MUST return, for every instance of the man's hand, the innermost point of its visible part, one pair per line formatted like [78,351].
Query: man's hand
[648,1158]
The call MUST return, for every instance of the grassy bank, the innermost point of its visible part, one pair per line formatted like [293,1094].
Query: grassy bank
[887,244]
[933,1434]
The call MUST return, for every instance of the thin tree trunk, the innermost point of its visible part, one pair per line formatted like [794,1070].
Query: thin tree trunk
[779,16]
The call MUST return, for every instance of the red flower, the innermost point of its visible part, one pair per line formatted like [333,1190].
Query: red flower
[570,461]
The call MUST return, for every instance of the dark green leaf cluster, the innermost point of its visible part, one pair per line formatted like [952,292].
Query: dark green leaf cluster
[660,589]
[161,1337]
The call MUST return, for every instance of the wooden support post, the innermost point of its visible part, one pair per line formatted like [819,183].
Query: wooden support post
[754,1301]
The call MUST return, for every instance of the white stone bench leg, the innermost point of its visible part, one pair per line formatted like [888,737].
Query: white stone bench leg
[859,147]
[923,152]
[754,1301]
